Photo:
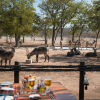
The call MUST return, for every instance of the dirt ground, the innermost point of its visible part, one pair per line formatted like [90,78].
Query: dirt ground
[58,57]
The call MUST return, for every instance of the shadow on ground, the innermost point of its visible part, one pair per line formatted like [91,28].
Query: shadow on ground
[75,59]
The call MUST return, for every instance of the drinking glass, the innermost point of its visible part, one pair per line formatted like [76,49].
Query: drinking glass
[47,84]
[31,83]
[43,90]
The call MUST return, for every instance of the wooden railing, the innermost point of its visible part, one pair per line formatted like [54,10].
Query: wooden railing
[82,68]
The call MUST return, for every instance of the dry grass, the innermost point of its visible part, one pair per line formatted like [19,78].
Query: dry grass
[58,57]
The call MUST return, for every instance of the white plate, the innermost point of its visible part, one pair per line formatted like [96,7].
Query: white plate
[6,83]
[34,96]
[6,98]
[6,89]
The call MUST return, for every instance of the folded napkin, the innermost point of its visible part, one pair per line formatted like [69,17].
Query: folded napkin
[6,88]
[34,96]
[6,83]
[6,97]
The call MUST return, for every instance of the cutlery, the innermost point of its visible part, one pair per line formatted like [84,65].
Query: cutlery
[52,97]
[4,98]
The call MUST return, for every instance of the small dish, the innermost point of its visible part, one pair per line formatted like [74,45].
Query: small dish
[28,61]
[6,83]
[6,97]
[6,89]
[34,96]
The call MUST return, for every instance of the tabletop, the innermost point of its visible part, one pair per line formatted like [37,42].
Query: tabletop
[58,92]
[61,93]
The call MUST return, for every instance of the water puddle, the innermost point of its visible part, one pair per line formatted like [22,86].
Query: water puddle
[67,48]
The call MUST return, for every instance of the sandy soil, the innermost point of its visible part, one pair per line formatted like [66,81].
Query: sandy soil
[58,57]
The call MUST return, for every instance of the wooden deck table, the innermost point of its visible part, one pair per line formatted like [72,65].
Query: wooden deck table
[61,93]
[58,91]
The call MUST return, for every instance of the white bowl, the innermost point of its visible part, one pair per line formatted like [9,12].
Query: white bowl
[28,61]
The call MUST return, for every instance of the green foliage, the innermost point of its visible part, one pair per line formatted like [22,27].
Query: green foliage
[81,21]
[95,16]
[50,8]
[59,13]
[56,10]
[17,16]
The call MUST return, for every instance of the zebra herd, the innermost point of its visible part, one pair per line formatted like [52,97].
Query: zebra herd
[77,43]
[7,55]
[74,51]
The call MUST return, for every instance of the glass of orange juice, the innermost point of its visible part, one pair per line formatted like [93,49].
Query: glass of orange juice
[31,83]
[47,84]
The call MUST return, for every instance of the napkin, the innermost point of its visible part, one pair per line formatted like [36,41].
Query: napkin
[6,88]
[6,97]
[6,83]
[34,96]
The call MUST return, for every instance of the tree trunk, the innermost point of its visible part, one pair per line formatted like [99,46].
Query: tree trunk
[53,35]
[61,30]
[80,36]
[97,39]
[17,38]
[23,38]
[6,37]
[45,33]
[73,34]
[56,34]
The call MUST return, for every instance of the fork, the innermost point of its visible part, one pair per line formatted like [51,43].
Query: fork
[4,97]
[52,97]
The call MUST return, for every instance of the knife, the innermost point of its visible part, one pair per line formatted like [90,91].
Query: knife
[52,97]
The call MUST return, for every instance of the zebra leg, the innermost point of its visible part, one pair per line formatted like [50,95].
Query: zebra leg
[37,58]
[1,62]
[45,58]
[5,62]
[48,57]
[9,62]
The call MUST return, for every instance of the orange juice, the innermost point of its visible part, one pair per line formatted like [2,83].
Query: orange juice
[31,82]
[47,82]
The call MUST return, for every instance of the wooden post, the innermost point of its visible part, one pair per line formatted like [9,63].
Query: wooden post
[16,72]
[81,81]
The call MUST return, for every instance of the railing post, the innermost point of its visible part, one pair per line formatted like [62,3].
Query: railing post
[81,81]
[16,72]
